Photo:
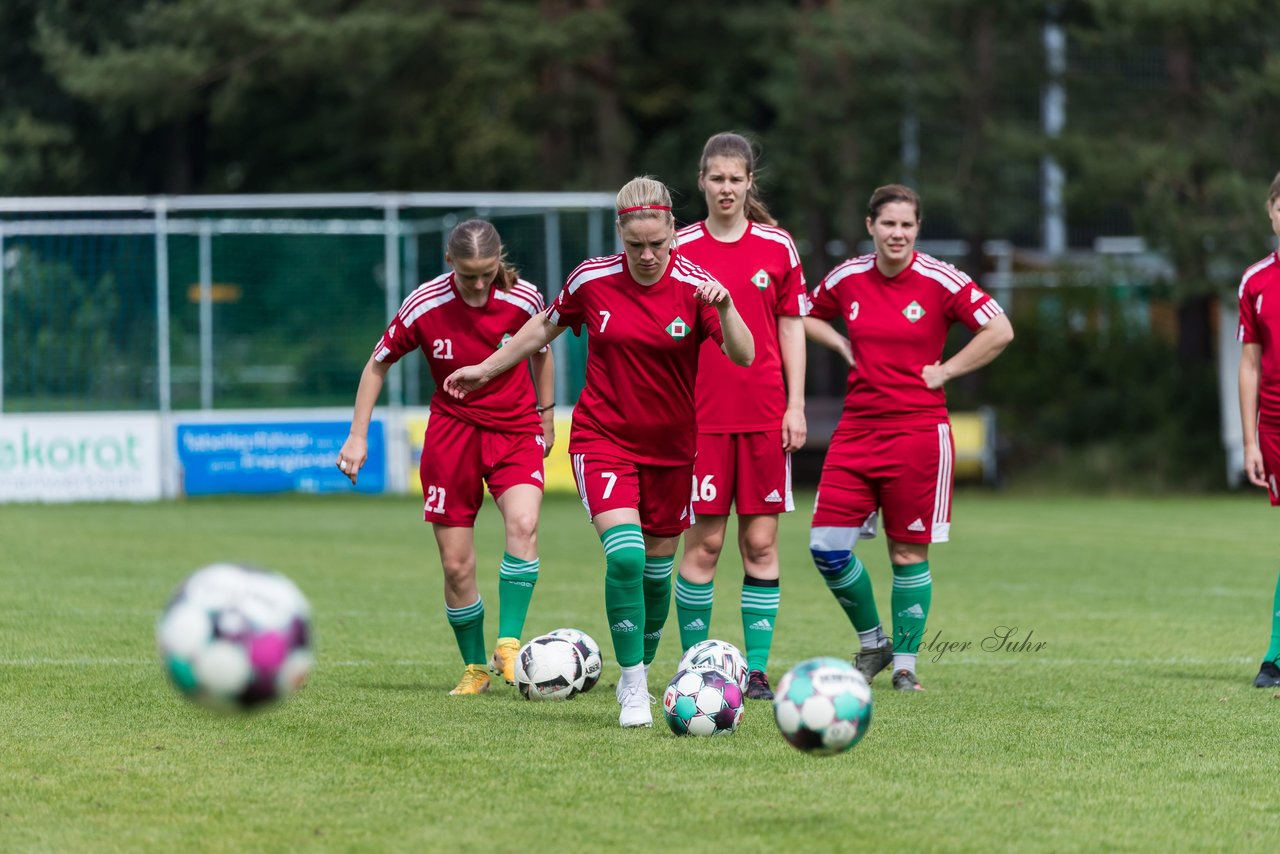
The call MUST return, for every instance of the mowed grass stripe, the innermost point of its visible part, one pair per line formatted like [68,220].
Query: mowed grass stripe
[1135,727]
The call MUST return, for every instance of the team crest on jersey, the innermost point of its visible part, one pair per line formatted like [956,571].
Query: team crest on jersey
[678,329]
[506,336]
[760,279]
[913,312]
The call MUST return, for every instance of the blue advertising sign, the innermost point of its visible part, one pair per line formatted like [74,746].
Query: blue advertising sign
[278,456]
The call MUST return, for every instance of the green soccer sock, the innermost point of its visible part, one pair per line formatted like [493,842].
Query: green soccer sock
[693,610]
[516,579]
[912,593]
[623,593]
[851,585]
[1273,651]
[657,602]
[468,629]
[760,599]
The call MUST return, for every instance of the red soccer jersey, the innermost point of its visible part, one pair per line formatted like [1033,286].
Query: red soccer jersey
[762,271]
[896,327]
[1260,324]
[642,358]
[452,334]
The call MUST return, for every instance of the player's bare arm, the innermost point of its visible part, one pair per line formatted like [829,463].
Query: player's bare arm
[987,343]
[795,428]
[537,333]
[544,386]
[1250,372]
[355,450]
[739,344]
[822,332]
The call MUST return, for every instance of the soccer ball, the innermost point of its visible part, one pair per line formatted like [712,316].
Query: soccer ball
[592,663]
[234,638]
[823,706]
[702,702]
[549,668]
[717,655]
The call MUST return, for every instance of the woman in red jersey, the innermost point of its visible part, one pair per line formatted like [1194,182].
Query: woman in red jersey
[1260,398]
[892,450]
[499,436]
[749,419]
[647,310]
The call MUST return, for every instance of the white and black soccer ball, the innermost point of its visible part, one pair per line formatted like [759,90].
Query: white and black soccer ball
[235,638]
[549,668]
[702,702]
[823,706]
[592,663]
[716,655]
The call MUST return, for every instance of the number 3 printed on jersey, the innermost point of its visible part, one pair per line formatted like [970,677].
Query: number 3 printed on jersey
[853,310]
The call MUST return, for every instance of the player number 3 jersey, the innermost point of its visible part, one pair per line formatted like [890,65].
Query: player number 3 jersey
[896,327]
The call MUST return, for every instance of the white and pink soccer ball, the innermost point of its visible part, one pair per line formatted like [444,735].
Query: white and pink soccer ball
[234,638]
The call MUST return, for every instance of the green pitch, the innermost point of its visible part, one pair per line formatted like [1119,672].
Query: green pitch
[1116,711]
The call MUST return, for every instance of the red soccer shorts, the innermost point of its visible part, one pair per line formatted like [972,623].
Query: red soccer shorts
[1269,444]
[906,474]
[749,470]
[660,493]
[459,458]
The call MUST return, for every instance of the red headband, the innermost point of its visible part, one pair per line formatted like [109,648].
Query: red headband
[644,208]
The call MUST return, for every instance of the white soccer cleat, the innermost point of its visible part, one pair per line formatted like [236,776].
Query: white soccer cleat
[633,695]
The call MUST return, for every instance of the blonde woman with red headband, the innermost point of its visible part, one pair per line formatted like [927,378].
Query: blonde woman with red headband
[634,430]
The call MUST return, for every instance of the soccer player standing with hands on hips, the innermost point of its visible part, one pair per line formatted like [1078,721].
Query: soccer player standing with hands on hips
[497,436]
[749,419]
[647,310]
[892,449]
[1260,398]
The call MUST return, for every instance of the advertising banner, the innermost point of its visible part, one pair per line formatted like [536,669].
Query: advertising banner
[274,456]
[102,456]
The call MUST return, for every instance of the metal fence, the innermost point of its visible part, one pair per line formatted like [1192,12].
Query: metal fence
[217,302]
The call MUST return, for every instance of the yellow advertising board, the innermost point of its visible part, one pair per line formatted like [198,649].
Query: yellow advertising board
[558,469]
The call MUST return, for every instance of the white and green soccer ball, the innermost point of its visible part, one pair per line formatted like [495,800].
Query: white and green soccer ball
[235,638]
[823,706]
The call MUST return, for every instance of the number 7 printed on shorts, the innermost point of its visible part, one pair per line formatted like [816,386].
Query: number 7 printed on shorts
[612,478]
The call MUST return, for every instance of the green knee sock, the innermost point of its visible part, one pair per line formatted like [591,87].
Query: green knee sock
[516,579]
[657,602]
[1273,651]
[851,586]
[468,628]
[693,610]
[912,592]
[760,599]
[623,596]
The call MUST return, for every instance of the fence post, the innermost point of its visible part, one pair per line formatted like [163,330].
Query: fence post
[162,306]
[397,443]
[206,315]
[555,278]
[409,281]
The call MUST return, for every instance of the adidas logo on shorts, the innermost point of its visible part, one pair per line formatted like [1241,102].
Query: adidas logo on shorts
[773,497]
[917,525]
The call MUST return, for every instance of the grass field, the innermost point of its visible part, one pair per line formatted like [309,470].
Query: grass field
[1135,726]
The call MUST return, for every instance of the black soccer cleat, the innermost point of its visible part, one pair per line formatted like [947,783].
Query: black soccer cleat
[869,662]
[758,686]
[1268,676]
[905,680]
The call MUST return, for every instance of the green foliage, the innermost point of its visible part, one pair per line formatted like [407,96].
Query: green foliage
[1051,750]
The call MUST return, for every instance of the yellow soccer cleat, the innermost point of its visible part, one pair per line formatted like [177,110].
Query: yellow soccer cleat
[474,681]
[503,662]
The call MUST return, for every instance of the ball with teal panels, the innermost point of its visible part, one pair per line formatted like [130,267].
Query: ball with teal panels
[823,706]
[702,702]
[236,638]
